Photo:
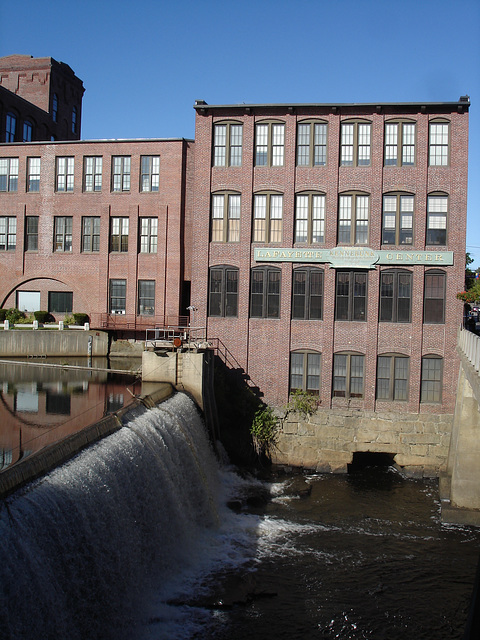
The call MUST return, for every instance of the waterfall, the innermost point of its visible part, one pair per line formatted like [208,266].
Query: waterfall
[82,548]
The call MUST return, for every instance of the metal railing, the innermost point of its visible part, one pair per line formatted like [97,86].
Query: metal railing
[469,344]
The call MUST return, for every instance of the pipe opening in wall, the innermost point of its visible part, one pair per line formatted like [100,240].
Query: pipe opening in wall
[367,459]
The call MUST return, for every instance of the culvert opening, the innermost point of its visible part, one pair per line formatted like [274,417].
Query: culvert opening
[369,460]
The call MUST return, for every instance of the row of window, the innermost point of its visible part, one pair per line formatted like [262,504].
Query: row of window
[395,304]
[392,382]
[11,124]
[63,234]
[92,174]
[311,146]
[352,221]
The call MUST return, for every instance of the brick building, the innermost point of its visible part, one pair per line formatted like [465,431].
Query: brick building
[97,228]
[331,242]
[40,99]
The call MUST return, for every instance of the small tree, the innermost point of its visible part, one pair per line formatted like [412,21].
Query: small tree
[264,431]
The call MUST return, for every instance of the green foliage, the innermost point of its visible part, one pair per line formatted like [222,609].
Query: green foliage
[264,431]
[302,402]
[472,294]
[14,315]
[80,318]
[42,316]
[68,320]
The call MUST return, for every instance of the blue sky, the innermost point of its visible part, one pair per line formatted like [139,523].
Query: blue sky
[144,63]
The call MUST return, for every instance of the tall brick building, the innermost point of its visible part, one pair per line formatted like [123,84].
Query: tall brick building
[331,241]
[322,244]
[40,99]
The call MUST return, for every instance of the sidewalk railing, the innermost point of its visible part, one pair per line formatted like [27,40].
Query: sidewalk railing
[469,344]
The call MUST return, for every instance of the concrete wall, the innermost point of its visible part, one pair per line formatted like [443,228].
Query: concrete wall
[25,343]
[327,440]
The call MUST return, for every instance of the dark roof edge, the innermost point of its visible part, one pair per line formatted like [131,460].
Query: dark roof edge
[464,102]
[96,141]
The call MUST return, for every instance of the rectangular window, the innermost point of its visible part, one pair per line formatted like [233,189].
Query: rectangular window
[307,294]
[117,296]
[269,145]
[150,173]
[8,234]
[399,144]
[432,380]
[10,128]
[92,168]
[148,235]
[227,145]
[311,144]
[434,298]
[397,219]
[223,292]
[351,296]
[310,218]
[348,375]
[353,219]
[265,293]
[267,218]
[225,217]
[355,144]
[65,174]
[395,296]
[31,233]
[63,234]
[392,378]
[33,175]
[27,131]
[305,371]
[121,173]
[438,144]
[91,234]
[8,174]
[437,211]
[146,298]
[119,234]
[60,301]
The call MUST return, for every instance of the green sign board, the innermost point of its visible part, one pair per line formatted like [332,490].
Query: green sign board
[354,257]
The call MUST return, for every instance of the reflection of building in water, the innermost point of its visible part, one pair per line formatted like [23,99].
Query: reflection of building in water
[39,406]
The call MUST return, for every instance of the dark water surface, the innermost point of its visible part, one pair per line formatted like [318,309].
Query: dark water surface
[364,556]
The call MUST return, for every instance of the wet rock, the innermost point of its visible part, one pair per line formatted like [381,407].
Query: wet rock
[298,487]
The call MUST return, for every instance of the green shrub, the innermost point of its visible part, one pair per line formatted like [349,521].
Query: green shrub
[68,320]
[264,431]
[80,318]
[3,314]
[303,403]
[42,316]
[14,315]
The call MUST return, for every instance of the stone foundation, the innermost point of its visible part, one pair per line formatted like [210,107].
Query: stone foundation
[327,440]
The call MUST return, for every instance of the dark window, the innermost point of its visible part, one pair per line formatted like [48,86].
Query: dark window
[118,296]
[434,298]
[31,234]
[351,296]
[305,371]
[392,377]
[432,379]
[223,292]
[74,120]
[55,107]
[27,131]
[57,403]
[307,294]
[11,126]
[265,293]
[395,296]
[146,297]
[60,301]
[91,234]
[348,375]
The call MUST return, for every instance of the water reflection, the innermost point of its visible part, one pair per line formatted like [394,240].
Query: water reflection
[40,405]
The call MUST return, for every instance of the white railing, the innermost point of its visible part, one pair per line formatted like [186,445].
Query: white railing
[469,344]
[6,326]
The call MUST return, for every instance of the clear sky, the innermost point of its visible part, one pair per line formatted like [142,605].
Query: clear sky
[143,63]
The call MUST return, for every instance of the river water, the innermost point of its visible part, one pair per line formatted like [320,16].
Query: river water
[146,536]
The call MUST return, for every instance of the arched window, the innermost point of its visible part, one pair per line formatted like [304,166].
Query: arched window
[434,297]
[27,131]
[225,219]
[265,292]
[307,294]
[55,107]
[353,218]
[432,379]
[227,144]
[438,143]
[310,218]
[11,127]
[269,144]
[395,296]
[392,377]
[223,291]
[399,144]
[355,144]
[267,217]
[348,375]
[311,144]
[74,120]
[397,220]
[305,371]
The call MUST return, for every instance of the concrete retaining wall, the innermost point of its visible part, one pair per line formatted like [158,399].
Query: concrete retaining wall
[184,370]
[326,441]
[24,343]
[40,463]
